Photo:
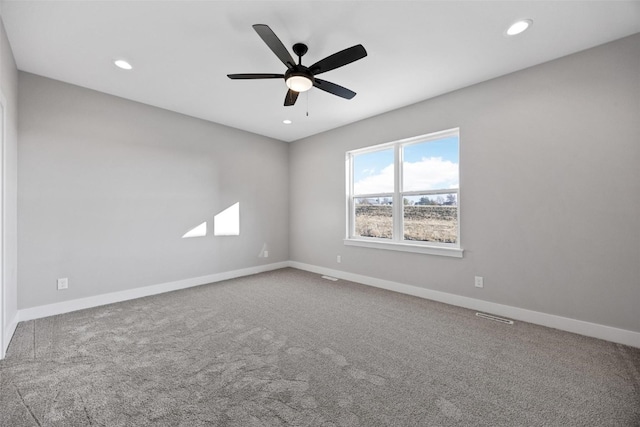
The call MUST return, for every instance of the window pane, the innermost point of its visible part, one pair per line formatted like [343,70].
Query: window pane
[431,165]
[431,218]
[374,217]
[373,172]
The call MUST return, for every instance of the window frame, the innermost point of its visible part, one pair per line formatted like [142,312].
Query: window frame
[397,242]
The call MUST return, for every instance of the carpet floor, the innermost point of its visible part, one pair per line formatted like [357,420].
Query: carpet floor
[288,348]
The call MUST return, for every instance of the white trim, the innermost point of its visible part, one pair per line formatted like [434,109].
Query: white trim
[8,334]
[397,205]
[4,324]
[110,298]
[405,247]
[621,336]
[348,187]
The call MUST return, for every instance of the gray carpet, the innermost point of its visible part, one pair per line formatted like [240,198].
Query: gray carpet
[287,348]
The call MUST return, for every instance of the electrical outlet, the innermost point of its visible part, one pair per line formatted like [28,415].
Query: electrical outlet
[266,254]
[339,259]
[63,283]
[479,282]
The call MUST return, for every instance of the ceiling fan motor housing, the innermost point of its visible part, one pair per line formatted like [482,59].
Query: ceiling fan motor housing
[299,71]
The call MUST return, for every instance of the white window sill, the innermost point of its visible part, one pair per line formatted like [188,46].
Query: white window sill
[406,247]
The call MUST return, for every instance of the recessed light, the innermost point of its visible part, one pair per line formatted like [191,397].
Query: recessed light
[518,27]
[287,121]
[121,63]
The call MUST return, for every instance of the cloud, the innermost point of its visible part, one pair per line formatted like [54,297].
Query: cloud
[368,171]
[427,174]
[380,183]
[430,174]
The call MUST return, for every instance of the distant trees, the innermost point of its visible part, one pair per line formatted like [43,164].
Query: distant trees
[439,201]
[426,201]
[435,200]
[374,201]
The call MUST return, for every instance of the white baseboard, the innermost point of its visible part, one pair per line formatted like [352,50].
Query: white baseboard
[8,334]
[608,333]
[621,336]
[110,298]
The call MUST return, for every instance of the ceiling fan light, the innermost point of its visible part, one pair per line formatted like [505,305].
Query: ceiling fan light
[299,83]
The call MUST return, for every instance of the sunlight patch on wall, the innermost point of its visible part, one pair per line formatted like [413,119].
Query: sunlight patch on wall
[227,222]
[199,231]
[264,252]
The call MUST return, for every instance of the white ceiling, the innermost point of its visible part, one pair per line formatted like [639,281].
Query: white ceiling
[182,51]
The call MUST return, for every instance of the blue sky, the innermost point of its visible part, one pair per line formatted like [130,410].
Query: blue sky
[369,164]
[426,166]
[446,148]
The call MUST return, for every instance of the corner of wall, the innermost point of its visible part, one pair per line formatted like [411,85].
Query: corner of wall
[8,184]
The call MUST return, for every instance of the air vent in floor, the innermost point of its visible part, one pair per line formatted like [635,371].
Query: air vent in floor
[495,318]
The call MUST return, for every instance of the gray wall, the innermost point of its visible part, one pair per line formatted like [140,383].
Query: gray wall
[9,88]
[550,189]
[107,187]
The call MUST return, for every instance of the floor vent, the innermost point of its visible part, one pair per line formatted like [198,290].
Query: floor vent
[333,279]
[495,318]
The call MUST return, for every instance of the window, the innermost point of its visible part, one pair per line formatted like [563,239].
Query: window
[405,195]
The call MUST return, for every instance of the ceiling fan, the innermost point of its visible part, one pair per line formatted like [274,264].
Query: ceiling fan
[298,77]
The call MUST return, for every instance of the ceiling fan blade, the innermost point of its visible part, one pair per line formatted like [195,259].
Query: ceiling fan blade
[339,59]
[255,76]
[291,98]
[274,43]
[334,89]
